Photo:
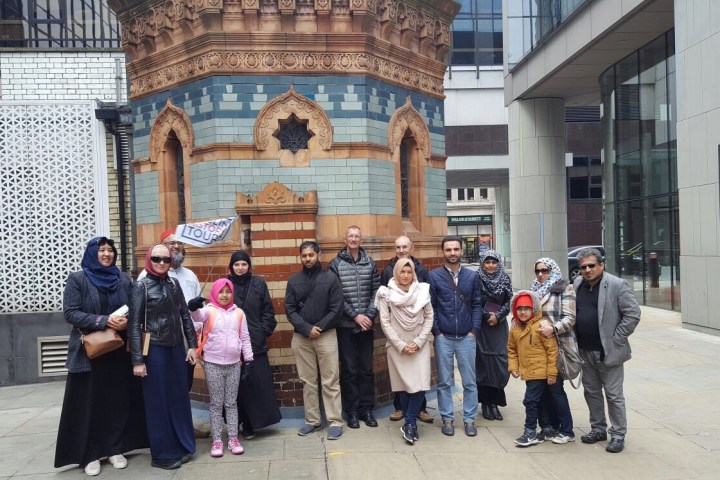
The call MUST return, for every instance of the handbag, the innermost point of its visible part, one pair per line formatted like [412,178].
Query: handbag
[101,342]
[569,362]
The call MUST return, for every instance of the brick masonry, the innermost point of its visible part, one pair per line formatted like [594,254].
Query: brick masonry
[53,75]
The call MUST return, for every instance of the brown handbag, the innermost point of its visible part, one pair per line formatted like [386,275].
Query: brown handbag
[101,342]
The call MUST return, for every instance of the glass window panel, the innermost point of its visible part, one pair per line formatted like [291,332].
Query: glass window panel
[461,194]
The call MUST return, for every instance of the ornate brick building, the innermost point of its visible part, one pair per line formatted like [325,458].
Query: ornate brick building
[300,116]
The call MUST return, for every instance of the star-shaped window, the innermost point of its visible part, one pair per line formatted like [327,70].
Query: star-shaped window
[293,134]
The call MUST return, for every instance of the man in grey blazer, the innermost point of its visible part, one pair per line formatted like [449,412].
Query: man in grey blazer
[606,314]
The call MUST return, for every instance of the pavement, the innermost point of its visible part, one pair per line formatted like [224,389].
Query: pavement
[672,388]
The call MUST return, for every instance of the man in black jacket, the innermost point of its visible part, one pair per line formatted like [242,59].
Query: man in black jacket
[313,303]
[404,249]
[360,282]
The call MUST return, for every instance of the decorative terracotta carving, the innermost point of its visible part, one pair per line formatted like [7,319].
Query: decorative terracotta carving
[303,108]
[276,198]
[175,119]
[407,118]
[233,63]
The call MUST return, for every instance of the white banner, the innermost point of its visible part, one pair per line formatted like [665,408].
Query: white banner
[204,234]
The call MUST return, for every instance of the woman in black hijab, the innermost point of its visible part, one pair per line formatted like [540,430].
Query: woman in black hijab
[257,405]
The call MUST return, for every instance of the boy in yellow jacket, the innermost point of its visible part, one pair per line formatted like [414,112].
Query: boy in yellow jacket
[533,357]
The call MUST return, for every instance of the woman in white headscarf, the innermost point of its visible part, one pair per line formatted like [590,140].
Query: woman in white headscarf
[406,317]
[557,302]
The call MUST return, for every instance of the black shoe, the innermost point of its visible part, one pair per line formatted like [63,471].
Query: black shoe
[495,412]
[408,432]
[166,465]
[369,419]
[486,413]
[186,458]
[616,445]
[353,421]
[594,436]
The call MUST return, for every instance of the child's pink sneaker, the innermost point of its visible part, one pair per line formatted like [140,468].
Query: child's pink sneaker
[235,447]
[217,449]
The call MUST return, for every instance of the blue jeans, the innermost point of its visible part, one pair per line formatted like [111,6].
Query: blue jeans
[411,405]
[463,350]
[534,390]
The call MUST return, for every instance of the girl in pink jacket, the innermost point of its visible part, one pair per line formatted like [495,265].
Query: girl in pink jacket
[225,345]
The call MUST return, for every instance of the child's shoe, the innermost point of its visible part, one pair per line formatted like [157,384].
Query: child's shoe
[235,447]
[526,439]
[217,449]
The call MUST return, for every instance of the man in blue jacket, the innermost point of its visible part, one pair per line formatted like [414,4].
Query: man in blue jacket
[457,301]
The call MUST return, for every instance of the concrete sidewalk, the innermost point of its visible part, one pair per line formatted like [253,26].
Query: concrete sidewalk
[672,389]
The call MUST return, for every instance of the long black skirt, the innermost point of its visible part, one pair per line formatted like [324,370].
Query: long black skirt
[257,405]
[102,413]
[167,404]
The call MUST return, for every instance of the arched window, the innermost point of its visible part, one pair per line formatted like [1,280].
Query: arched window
[404,180]
[175,152]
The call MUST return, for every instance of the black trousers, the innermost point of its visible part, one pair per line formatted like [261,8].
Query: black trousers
[357,381]
[398,401]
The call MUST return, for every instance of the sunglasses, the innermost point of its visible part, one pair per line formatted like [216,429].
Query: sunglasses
[538,271]
[160,259]
[589,266]
[105,241]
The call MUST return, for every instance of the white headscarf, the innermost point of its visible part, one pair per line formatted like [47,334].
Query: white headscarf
[405,305]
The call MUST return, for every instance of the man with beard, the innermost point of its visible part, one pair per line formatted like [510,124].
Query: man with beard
[313,304]
[456,298]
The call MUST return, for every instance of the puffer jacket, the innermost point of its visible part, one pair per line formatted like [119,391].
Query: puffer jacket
[225,344]
[454,317]
[168,318]
[360,282]
[530,352]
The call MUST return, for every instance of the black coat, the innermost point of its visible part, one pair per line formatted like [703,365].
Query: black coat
[254,299]
[168,318]
[322,304]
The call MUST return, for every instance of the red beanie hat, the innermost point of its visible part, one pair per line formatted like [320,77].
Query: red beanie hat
[167,233]
[524,300]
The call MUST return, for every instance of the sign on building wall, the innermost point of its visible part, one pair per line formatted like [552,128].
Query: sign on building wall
[53,198]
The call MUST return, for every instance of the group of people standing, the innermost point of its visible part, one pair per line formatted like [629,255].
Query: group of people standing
[474,318]
[138,397]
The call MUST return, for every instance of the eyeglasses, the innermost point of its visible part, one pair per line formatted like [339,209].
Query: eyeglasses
[174,243]
[538,271]
[160,259]
[589,266]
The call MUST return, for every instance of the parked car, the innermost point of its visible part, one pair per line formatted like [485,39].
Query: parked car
[573,266]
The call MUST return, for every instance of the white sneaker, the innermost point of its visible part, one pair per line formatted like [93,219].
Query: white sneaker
[118,461]
[93,468]
[562,439]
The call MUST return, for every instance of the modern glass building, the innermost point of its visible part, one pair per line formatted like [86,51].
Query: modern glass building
[650,66]
[640,169]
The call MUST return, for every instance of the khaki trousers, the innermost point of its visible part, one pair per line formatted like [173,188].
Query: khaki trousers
[309,353]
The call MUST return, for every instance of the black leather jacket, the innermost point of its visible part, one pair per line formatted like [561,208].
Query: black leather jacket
[168,318]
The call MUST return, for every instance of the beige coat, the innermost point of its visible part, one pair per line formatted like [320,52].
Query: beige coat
[408,373]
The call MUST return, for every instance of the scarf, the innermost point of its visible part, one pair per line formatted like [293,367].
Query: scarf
[542,289]
[149,265]
[497,284]
[215,290]
[405,305]
[105,279]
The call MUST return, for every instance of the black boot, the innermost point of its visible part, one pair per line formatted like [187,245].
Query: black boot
[487,413]
[495,412]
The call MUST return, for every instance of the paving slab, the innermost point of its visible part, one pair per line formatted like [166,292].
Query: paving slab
[672,389]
